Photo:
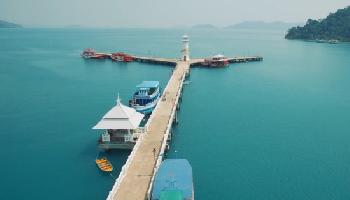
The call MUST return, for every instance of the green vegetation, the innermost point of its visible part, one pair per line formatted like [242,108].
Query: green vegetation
[4,24]
[335,27]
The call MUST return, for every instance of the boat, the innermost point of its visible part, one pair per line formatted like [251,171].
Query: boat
[122,57]
[104,165]
[92,54]
[146,97]
[173,181]
[216,61]
[87,53]
[333,41]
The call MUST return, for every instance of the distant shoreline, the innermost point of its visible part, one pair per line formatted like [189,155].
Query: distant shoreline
[5,24]
[321,41]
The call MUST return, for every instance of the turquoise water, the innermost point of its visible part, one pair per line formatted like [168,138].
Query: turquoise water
[276,129]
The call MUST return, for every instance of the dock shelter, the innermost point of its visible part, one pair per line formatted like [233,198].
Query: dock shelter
[121,126]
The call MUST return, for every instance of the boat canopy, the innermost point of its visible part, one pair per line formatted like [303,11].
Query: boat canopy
[219,56]
[120,117]
[148,84]
[173,175]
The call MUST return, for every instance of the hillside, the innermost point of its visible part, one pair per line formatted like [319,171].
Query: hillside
[204,26]
[335,27]
[5,24]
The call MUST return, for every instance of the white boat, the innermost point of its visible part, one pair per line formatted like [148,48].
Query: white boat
[146,97]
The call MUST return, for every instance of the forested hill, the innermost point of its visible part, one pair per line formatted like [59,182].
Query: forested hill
[335,27]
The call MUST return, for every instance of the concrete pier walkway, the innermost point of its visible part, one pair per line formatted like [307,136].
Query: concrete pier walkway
[136,176]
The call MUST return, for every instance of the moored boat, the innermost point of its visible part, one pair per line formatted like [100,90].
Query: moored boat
[173,181]
[87,53]
[92,54]
[104,165]
[122,57]
[146,97]
[216,61]
[332,41]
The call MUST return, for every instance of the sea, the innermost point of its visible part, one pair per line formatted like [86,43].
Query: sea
[276,129]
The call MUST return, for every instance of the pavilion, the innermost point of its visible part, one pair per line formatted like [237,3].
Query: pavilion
[121,127]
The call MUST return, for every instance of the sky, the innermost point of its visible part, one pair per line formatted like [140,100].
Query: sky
[162,13]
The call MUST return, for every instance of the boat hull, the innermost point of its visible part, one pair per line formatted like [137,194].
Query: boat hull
[104,165]
[146,109]
[146,97]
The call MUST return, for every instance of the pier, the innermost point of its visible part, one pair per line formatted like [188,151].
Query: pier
[157,61]
[237,59]
[136,177]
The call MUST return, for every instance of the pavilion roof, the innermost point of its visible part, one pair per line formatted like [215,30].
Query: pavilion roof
[120,117]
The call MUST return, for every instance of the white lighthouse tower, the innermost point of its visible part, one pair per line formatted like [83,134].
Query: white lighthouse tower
[185,48]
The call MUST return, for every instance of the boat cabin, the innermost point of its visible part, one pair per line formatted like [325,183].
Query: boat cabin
[121,127]
[122,57]
[87,53]
[219,57]
[216,61]
[146,96]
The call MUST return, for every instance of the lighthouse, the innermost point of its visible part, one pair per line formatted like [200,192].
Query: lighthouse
[185,48]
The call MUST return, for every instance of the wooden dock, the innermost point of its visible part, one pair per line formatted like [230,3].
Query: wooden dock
[136,177]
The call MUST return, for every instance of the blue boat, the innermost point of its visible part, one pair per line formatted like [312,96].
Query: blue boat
[146,97]
[173,181]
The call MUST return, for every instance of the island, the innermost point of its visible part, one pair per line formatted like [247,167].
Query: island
[204,26]
[334,28]
[5,24]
